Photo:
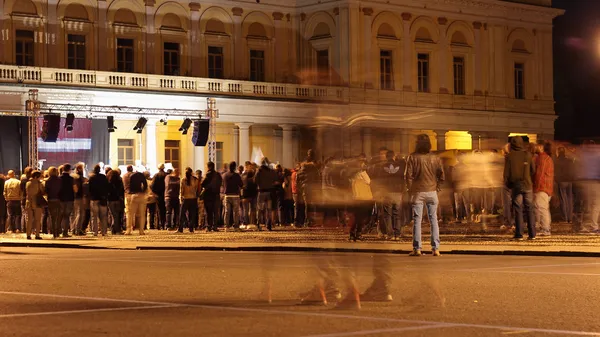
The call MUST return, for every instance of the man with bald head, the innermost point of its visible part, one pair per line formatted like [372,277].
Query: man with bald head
[13,194]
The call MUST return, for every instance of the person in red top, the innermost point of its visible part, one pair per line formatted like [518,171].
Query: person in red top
[543,186]
[298,202]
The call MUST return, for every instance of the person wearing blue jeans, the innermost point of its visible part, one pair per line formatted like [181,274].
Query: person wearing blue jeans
[424,176]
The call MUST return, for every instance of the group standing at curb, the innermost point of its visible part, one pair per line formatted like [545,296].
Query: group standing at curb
[379,193]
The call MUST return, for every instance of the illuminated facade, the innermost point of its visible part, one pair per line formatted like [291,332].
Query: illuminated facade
[345,77]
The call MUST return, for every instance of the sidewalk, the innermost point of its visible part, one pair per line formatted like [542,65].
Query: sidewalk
[319,239]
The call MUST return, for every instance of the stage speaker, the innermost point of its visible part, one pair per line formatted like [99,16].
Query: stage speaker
[200,135]
[50,128]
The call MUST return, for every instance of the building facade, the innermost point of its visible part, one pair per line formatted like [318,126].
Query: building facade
[344,77]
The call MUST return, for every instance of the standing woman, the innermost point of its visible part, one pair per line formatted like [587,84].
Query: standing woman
[188,195]
[34,204]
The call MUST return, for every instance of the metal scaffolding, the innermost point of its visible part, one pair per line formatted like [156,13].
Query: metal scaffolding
[35,109]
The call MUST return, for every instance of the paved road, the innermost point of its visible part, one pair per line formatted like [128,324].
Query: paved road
[51,292]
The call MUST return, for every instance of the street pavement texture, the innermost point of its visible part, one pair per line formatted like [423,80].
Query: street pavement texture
[74,292]
[492,241]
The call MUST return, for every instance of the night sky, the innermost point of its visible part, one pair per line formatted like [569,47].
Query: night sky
[577,69]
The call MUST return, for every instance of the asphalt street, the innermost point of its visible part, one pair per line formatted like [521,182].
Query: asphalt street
[64,292]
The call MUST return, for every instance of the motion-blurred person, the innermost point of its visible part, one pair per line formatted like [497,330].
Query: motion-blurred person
[78,215]
[460,182]
[299,209]
[424,176]
[563,174]
[543,186]
[24,180]
[201,210]
[151,203]
[211,190]
[249,197]
[266,180]
[362,201]
[2,205]
[508,213]
[12,194]
[389,180]
[158,188]
[309,186]
[519,170]
[288,199]
[188,195]
[116,199]
[52,187]
[99,189]
[68,188]
[135,203]
[588,177]
[232,183]
[34,205]
[171,196]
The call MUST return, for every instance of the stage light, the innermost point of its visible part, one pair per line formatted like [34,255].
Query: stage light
[185,126]
[69,122]
[140,124]
[110,121]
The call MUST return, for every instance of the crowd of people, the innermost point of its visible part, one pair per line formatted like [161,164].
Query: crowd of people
[516,184]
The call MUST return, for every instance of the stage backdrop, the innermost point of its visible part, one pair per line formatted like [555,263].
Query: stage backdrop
[13,144]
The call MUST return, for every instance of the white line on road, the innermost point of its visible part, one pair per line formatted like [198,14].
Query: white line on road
[534,266]
[380,331]
[537,272]
[83,311]
[313,314]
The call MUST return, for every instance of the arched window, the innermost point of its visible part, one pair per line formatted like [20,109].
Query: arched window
[423,35]
[321,31]
[458,38]
[519,47]
[386,31]
[171,21]
[215,26]
[257,30]
[24,7]
[125,16]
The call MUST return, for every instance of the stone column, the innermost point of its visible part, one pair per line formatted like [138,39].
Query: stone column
[238,46]
[194,47]
[407,58]
[368,51]
[404,141]
[443,55]
[244,148]
[151,39]
[199,159]
[288,145]
[477,140]
[151,147]
[440,136]
[478,62]
[367,146]
[103,36]
[236,145]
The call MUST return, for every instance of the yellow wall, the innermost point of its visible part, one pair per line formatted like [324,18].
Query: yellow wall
[458,140]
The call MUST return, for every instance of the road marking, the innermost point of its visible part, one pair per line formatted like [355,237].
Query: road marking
[315,314]
[540,272]
[83,311]
[380,331]
[534,266]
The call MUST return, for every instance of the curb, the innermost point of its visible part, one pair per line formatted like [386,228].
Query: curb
[305,249]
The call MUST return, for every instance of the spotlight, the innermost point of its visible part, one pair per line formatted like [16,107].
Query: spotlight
[110,121]
[69,122]
[185,126]
[140,124]
[164,121]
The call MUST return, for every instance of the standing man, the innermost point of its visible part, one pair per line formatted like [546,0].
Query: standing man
[266,181]
[158,187]
[68,188]
[79,203]
[563,174]
[424,176]
[12,195]
[232,184]
[519,170]
[309,185]
[52,186]
[543,186]
[116,199]
[171,197]
[211,185]
[135,202]
[99,186]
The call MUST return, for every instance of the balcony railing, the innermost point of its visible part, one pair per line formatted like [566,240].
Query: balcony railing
[209,86]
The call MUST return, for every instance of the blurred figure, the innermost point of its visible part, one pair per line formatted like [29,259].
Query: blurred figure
[563,175]
[152,209]
[589,180]
[211,189]
[288,199]
[68,188]
[460,183]
[135,203]
[232,183]
[34,205]
[158,188]
[78,215]
[309,186]
[249,196]
[519,170]
[363,202]
[389,181]
[188,195]
[543,186]
[25,177]
[424,176]
[266,180]
[12,195]
[116,199]
[99,189]
[171,196]
[2,205]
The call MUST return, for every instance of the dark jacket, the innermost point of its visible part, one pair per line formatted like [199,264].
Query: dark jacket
[212,185]
[98,185]
[249,189]
[424,173]
[52,187]
[232,183]
[172,187]
[388,177]
[158,183]
[519,167]
[127,182]
[308,178]
[24,182]
[266,179]
[66,188]
[564,169]
[116,190]
[78,180]
[138,183]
